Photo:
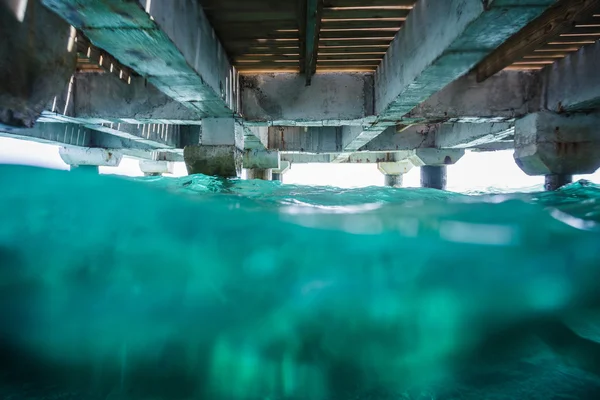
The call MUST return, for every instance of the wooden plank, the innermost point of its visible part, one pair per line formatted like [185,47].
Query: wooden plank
[381,49]
[238,34]
[364,56]
[321,68]
[361,13]
[356,42]
[362,23]
[361,63]
[267,57]
[221,20]
[302,31]
[556,20]
[359,34]
[236,52]
[373,3]
[225,6]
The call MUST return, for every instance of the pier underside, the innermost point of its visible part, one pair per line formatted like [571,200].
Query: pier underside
[259,84]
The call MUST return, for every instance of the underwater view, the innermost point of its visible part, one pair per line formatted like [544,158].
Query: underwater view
[203,288]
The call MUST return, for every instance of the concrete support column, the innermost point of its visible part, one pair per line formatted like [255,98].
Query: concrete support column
[259,163]
[434,177]
[277,174]
[558,146]
[89,159]
[393,180]
[556,181]
[156,168]
[261,174]
[433,164]
[220,151]
[393,172]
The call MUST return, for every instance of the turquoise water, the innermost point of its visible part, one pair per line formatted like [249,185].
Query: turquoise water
[199,288]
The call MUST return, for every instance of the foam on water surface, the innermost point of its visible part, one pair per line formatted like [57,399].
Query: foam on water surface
[200,288]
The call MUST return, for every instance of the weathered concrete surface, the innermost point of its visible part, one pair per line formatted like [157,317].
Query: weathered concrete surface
[548,143]
[434,177]
[573,83]
[394,172]
[156,168]
[467,135]
[169,42]
[55,134]
[459,34]
[393,180]
[220,150]
[332,99]
[395,167]
[414,137]
[79,156]
[261,159]
[35,63]
[222,131]
[261,174]
[305,139]
[436,157]
[107,98]
[556,181]
[256,137]
[503,97]
[277,174]
[214,160]
[75,135]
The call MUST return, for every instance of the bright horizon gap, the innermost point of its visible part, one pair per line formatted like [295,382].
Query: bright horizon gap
[475,171]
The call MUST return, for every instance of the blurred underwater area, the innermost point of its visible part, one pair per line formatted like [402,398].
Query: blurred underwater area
[202,288]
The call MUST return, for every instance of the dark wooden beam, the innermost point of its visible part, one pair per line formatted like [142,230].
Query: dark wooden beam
[314,10]
[302,32]
[556,20]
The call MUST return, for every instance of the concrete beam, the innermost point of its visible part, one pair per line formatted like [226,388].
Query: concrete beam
[106,98]
[501,98]
[54,134]
[471,135]
[553,144]
[171,43]
[75,135]
[284,99]
[305,139]
[82,156]
[573,83]
[411,138]
[37,59]
[460,33]
[261,159]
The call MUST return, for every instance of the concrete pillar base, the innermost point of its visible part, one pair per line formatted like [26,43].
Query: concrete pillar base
[221,161]
[393,180]
[433,177]
[156,168]
[262,174]
[277,174]
[556,181]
